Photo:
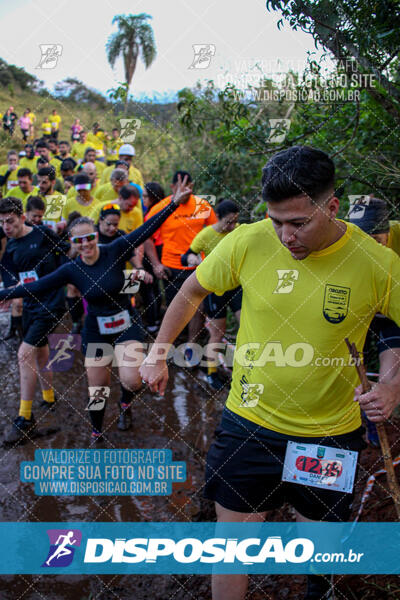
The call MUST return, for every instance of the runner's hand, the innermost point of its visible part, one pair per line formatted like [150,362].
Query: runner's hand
[160,271]
[155,375]
[183,190]
[379,403]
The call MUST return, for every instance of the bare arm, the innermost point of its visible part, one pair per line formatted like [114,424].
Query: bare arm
[381,401]
[154,370]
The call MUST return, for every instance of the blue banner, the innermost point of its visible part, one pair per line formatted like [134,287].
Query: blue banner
[201,548]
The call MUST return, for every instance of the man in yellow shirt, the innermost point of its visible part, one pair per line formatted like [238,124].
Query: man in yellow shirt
[97,139]
[90,156]
[126,153]
[128,198]
[54,200]
[43,150]
[8,173]
[309,281]
[32,118]
[25,187]
[29,160]
[113,145]
[46,128]
[78,148]
[55,121]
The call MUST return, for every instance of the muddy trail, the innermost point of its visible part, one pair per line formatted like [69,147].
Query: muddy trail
[183,421]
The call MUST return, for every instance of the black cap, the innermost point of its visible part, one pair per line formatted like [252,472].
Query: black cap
[370,214]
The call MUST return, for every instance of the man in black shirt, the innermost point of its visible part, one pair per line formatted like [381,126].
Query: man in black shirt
[32,252]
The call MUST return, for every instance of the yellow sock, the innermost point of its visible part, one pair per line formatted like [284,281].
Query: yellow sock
[25,409]
[211,370]
[48,395]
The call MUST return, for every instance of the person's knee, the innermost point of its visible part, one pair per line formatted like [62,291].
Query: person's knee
[26,353]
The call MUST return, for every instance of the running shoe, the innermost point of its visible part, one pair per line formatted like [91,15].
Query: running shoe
[96,436]
[215,382]
[152,328]
[20,430]
[125,417]
[50,405]
[319,587]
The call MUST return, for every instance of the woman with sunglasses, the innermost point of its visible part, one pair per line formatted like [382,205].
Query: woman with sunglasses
[82,203]
[108,226]
[98,273]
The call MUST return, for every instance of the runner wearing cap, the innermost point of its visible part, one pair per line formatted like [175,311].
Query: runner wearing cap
[98,273]
[372,216]
[33,252]
[126,153]
[303,294]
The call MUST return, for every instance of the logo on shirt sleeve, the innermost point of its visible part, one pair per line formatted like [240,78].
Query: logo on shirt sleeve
[336,303]
[286,280]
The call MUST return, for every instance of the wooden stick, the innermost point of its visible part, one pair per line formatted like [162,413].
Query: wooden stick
[380,427]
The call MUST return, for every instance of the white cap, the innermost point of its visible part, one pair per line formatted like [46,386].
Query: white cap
[127,150]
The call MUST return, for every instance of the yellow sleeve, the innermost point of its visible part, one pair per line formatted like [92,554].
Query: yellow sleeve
[388,288]
[197,244]
[220,270]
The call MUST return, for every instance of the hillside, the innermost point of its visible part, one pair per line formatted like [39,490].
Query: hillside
[72,99]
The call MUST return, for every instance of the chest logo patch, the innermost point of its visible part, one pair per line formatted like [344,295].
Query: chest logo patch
[336,303]
[286,280]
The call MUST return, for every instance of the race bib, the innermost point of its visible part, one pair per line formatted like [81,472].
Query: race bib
[54,125]
[51,224]
[28,276]
[12,184]
[99,152]
[320,466]
[114,323]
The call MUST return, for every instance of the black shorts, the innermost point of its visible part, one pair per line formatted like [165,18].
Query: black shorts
[215,306]
[175,282]
[92,335]
[244,471]
[388,334]
[37,326]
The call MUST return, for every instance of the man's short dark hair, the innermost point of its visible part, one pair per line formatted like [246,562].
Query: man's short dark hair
[11,205]
[24,173]
[183,174]
[49,172]
[42,144]
[129,190]
[296,171]
[68,164]
[64,142]
[35,203]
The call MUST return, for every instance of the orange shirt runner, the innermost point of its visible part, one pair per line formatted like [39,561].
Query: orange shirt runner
[179,230]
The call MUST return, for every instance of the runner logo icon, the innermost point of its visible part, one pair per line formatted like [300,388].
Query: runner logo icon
[286,280]
[62,547]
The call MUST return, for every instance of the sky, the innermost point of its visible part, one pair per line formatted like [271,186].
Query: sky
[242,37]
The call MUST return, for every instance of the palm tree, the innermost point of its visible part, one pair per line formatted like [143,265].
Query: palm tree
[135,36]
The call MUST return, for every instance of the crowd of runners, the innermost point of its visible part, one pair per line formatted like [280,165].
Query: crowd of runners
[82,232]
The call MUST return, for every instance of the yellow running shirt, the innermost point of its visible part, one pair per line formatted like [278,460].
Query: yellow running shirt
[16,192]
[394,236]
[292,372]
[72,205]
[206,240]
